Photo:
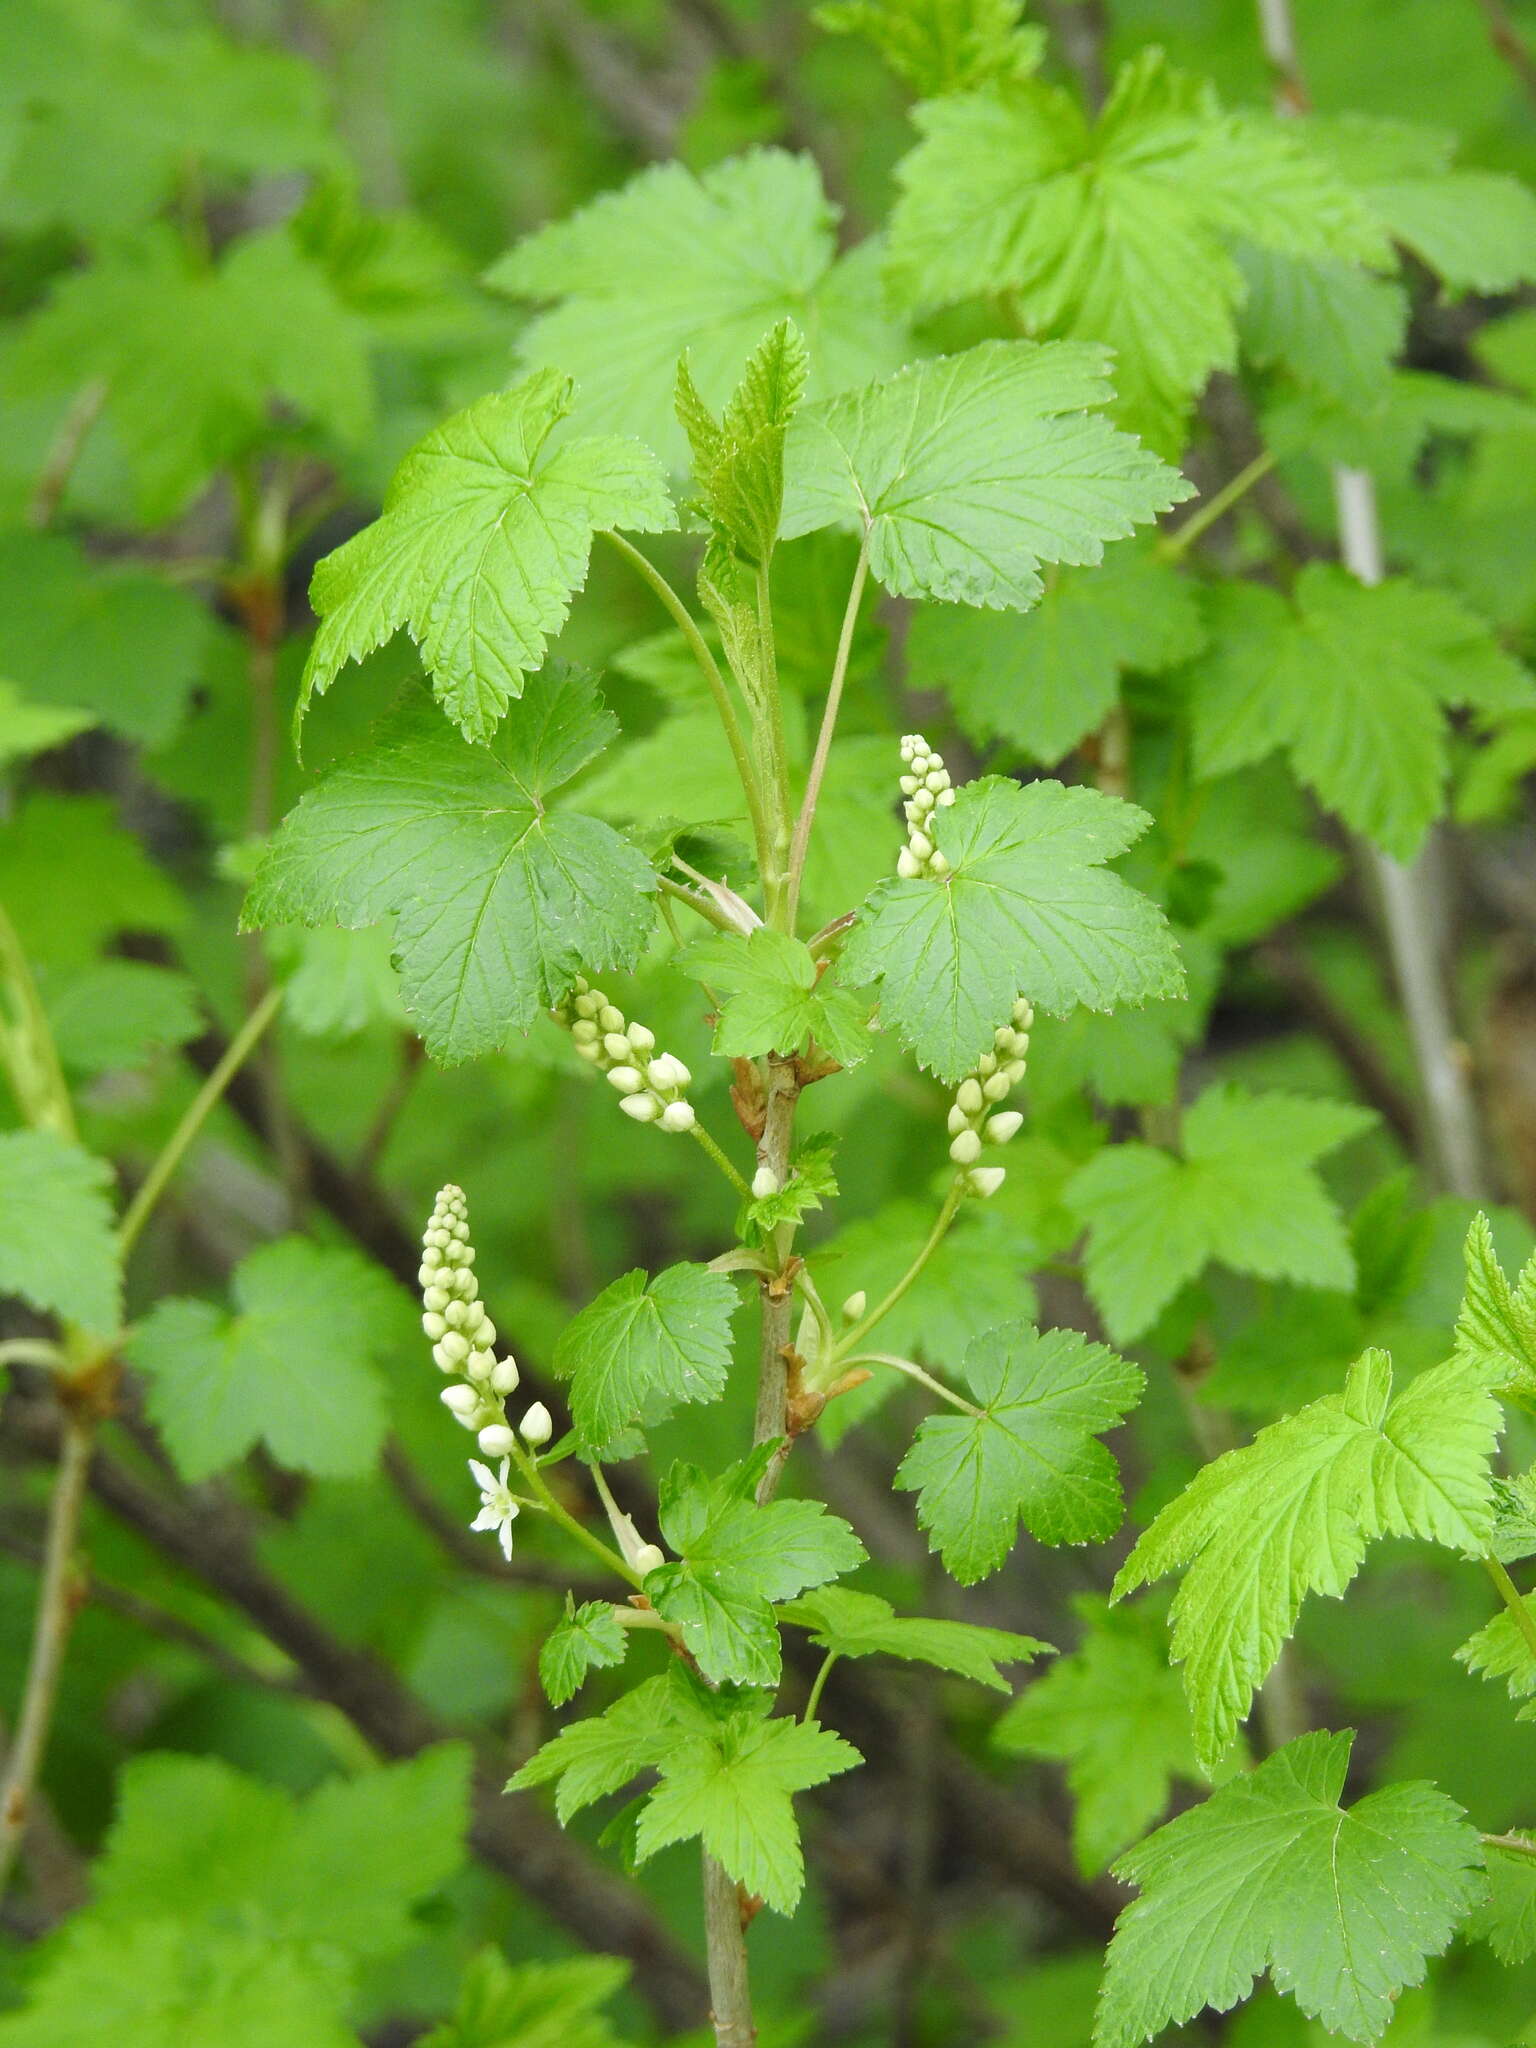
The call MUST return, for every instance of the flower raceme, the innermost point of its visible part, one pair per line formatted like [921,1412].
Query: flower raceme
[463,1337]
[926,787]
[650,1084]
[977,1116]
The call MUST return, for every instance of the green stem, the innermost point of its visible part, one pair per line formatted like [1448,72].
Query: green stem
[1174,545]
[193,1118]
[737,1179]
[914,1372]
[800,846]
[936,1236]
[710,669]
[1509,1593]
[710,912]
[818,1684]
[776,897]
[528,1466]
[31,1055]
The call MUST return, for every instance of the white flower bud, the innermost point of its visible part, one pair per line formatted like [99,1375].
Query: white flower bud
[585,1032]
[966,1149]
[968,1096]
[765,1182]
[1001,1128]
[434,1300]
[433,1324]
[921,846]
[451,1350]
[855,1305]
[945,798]
[1013,1073]
[922,802]
[592,1053]
[587,1006]
[641,1037]
[1023,1013]
[644,1108]
[537,1425]
[986,1180]
[957,1119]
[667,1071]
[431,1259]
[480,1364]
[677,1116]
[910,785]
[616,1045]
[461,1399]
[937,864]
[628,1080]
[996,1087]
[987,1064]
[497,1441]
[610,1019]
[505,1376]
[648,1557]
[908,866]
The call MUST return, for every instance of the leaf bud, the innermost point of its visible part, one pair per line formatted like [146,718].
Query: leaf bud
[537,1426]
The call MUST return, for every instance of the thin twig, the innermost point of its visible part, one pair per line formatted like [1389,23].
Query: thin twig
[800,845]
[80,416]
[1510,46]
[58,1600]
[196,1114]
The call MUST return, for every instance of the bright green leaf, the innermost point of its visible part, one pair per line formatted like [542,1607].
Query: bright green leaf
[777,1001]
[851,1624]
[586,1638]
[644,1346]
[58,1250]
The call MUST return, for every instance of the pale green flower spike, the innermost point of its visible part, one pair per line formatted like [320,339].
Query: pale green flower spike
[926,787]
[650,1084]
[977,1117]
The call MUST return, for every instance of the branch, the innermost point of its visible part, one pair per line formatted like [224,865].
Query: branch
[210,1540]
[58,1602]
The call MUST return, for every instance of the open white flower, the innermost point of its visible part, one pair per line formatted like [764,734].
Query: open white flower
[498,1510]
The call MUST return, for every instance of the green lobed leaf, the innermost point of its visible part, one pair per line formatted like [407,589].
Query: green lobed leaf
[733,1787]
[1355,684]
[1341,1906]
[1507,1922]
[777,997]
[1030,1455]
[967,472]
[852,1624]
[58,1248]
[1026,909]
[71,878]
[484,537]
[295,1368]
[939,46]
[812,1180]
[645,1345]
[532,2005]
[1245,1193]
[734,1560]
[1496,1327]
[1114,1713]
[1119,232]
[117,1013]
[588,1759]
[1501,1649]
[1292,1513]
[497,899]
[586,1638]
[148,318]
[738,460]
[1045,681]
[704,266]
